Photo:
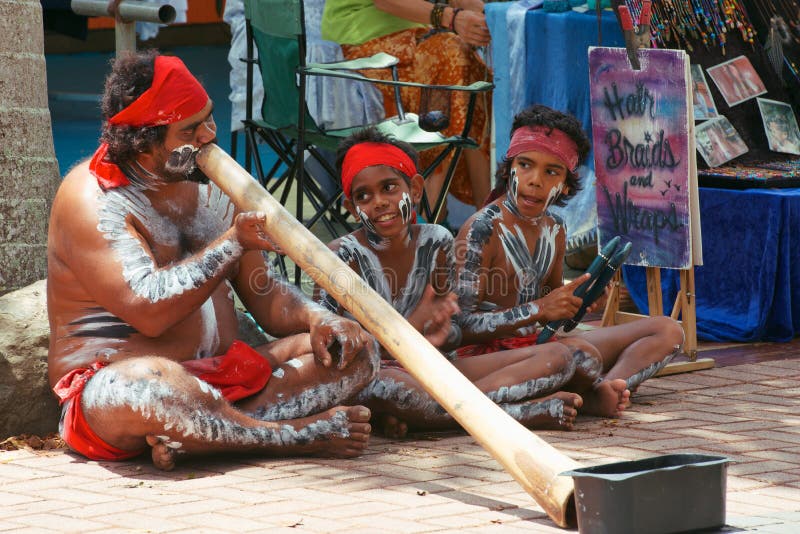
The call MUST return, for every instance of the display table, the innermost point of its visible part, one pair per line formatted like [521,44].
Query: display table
[749,287]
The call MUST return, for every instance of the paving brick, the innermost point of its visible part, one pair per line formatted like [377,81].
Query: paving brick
[440,482]
[57,522]
[766,466]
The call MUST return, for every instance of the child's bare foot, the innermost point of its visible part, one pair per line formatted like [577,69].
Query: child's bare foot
[393,428]
[609,398]
[554,412]
[163,452]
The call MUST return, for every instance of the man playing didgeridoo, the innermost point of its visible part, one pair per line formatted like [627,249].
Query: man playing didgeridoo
[144,257]
[411,266]
[510,258]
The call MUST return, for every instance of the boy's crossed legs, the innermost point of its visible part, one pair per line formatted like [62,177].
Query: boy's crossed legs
[525,382]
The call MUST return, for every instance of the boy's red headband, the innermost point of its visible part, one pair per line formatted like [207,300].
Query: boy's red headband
[173,96]
[541,138]
[364,155]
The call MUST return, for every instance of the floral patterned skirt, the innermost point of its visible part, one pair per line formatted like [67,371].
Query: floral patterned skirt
[440,58]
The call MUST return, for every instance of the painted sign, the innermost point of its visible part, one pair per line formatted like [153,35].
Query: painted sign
[644,153]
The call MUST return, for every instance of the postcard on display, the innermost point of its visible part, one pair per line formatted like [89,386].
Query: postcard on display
[780,126]
[718,141]
[702,101]
[737,80]
[645,162]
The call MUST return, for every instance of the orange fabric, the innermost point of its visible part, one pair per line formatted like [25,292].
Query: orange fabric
[441,59]
[497,345]
[238,373]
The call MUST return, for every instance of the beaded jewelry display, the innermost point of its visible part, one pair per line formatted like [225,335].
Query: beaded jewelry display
[686,23]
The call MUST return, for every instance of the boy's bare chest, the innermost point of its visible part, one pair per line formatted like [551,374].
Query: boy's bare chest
[523,257]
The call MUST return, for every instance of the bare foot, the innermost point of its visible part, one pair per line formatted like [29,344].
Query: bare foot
[163,452]
[393,428]
[554,412]
[609,398]
[341,432]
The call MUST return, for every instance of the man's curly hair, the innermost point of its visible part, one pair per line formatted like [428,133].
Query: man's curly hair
[131,75]
[539,115]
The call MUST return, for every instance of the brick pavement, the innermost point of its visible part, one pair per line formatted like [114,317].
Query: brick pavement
[434,483]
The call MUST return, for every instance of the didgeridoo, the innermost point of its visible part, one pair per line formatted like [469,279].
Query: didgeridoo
[530,460]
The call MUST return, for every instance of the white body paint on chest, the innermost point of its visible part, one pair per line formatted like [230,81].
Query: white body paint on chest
[213,216]
[432,241]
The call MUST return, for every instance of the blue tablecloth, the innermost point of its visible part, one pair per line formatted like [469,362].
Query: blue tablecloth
[749,287]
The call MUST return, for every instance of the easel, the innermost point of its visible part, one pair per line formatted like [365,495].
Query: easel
[684,306]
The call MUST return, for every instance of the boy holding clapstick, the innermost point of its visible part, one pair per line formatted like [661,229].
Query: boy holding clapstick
[510,258]
[411,266]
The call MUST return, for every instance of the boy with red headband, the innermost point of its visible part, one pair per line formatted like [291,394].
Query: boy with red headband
[411,266]
[510,258]
[144,257]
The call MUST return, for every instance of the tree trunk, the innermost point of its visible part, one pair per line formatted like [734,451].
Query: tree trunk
[29,174]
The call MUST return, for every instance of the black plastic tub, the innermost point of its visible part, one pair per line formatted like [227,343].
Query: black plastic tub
[672,493]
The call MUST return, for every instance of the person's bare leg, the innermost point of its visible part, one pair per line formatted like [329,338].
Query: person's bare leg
[636,351]
[603,397]
[141,401]
[300,386]
[518,380]
[478,170]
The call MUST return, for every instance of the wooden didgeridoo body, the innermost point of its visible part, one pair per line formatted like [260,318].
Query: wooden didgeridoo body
[532,462]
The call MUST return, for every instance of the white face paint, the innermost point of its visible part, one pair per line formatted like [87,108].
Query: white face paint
[552,196]
[294,362]
[406,208]
[278,373]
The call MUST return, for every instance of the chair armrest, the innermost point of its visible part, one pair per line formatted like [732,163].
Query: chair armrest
[476,87]
[381,60]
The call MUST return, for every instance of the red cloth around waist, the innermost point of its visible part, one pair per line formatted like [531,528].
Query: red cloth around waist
[238,373]
[497,345]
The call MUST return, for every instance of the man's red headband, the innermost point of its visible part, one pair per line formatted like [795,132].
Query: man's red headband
[173,96]
[541,138]
[364,155]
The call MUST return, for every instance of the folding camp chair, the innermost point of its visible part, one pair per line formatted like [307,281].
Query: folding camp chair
[277,29]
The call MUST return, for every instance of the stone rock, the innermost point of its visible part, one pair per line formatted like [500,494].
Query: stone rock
[27,404]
